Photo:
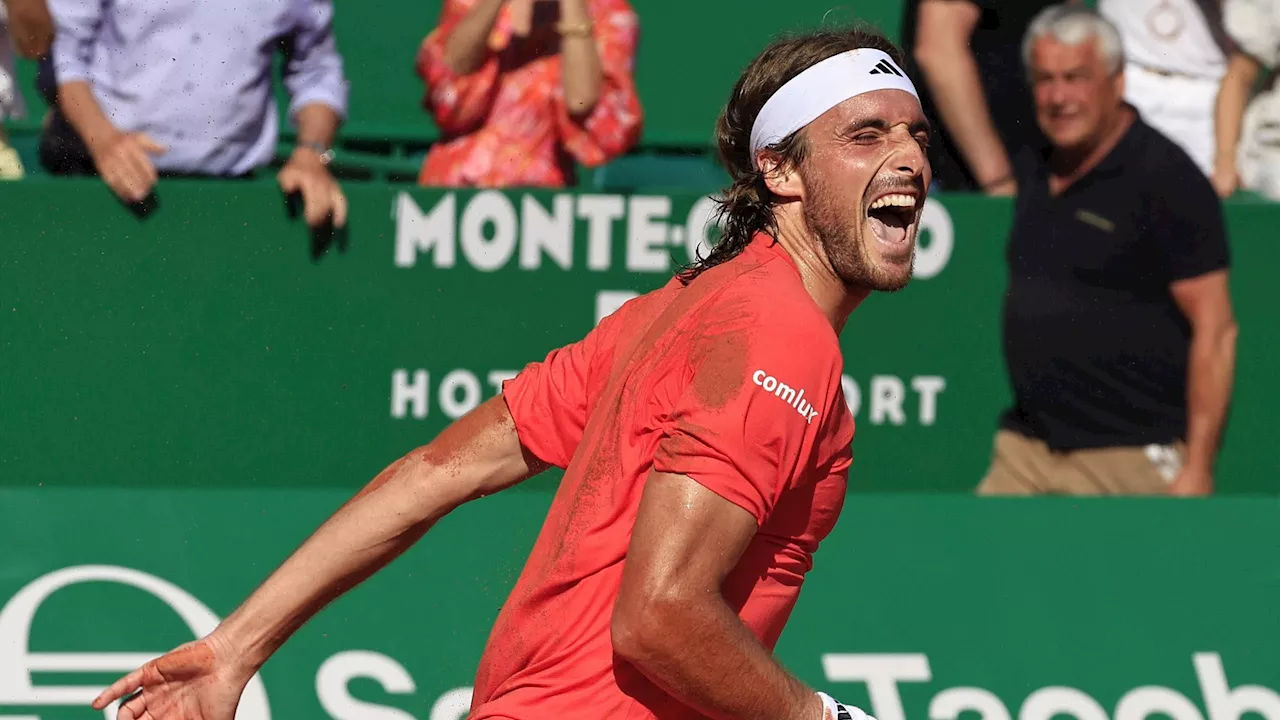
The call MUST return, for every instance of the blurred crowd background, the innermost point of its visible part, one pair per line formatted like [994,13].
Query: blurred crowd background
[549,93]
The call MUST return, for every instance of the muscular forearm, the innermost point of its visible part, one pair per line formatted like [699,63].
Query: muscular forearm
[317,124]
[1210,375]
[582,74]
[467,44]
[1233,96]
[956,86]
[478,454]
[360,538]
[81,109]
[700,652]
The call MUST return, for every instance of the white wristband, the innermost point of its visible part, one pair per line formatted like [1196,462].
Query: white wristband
[837,711]
[832,707]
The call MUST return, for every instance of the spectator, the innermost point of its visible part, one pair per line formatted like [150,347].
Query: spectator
[974,88]
[520,89]
[184,88]
[1119,337]
[1254,25]
[25,27]
[1175,55]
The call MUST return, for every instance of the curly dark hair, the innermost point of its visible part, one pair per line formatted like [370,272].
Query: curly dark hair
[745,207]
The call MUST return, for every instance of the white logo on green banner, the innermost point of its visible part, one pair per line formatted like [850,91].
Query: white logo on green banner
[494,229]
[880,400]
[883,672]
[17,662]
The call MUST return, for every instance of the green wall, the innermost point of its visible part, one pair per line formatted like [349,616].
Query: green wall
[203,346]
[917,607]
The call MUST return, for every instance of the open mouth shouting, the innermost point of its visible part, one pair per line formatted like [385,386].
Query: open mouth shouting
[893,217]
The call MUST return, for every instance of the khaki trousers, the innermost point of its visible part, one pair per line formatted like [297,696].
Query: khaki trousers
[1025,466]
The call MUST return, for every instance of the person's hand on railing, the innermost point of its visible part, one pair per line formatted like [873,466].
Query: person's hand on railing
[124,162]
[322,197]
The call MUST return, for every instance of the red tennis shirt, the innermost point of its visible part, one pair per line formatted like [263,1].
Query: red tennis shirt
[733,381]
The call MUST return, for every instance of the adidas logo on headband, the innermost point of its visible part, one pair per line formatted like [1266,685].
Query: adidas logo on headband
[883,67]
[821,87]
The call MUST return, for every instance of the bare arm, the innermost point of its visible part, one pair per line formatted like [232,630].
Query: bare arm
[582,74]
[1233,96]
[31,26]
[306,172]
[81,109]
[479,454]
[942,52]
[1206,302]
[466,46]
[317,124]
[672,622]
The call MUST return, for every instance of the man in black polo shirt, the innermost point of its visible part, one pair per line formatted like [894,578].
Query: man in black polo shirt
[1118,331]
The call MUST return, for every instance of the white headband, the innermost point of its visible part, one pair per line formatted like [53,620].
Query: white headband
[821,87]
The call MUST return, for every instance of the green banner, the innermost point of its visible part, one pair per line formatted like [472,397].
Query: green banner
[203,346]
[945,607]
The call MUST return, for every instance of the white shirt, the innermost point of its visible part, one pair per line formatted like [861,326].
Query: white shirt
[196,75]
[1254,25]
[1175,36]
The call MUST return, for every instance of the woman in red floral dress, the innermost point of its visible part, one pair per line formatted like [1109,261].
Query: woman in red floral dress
[521,89]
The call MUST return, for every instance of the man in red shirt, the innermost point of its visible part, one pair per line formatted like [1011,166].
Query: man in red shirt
[702,428]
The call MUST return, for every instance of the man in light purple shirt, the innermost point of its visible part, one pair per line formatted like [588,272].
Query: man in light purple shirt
[184,87]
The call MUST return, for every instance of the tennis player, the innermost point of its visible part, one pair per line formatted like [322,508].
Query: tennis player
[702,428]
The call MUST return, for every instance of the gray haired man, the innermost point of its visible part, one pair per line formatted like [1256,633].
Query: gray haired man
[1119,335]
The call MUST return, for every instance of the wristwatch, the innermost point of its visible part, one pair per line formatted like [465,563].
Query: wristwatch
[325,153]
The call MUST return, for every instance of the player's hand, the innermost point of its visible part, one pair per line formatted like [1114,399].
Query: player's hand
[124,163]
[202,680]
[1192,482]
[322,198]
[839,711]
[1226,180]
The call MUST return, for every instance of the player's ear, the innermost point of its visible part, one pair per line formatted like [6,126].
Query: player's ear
[780,177]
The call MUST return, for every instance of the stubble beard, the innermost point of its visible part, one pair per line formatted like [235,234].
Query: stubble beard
[846,243]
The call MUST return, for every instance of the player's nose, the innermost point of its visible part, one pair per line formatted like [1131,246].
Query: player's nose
[907,157]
